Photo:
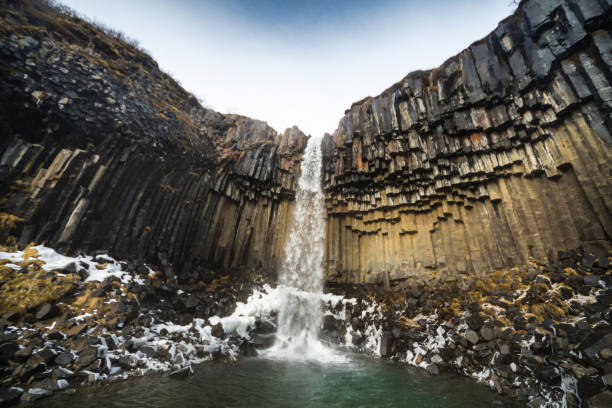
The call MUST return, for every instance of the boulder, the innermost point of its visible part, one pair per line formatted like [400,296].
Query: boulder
[329,323]
[601,400]
[34,394]
[471,336]
[262,341]
[486,333]
[7,351]
[385,344]
[474,321]
[128,362]
[87,356]
[47,311]
[61,372]
[64,358]
[11,316]
[76,330]
[181,372]
[217,330]
[10,395]
[432,369]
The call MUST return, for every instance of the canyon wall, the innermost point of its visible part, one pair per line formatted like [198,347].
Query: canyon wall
[501,154]
[102,151]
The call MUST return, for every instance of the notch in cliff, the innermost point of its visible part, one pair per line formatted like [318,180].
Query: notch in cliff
[101,150]
[500,155]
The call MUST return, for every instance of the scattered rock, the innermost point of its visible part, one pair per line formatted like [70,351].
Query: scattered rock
[217,330]
[602,400]
[471,336]
[86,357]
[47,311]
[432,369]
[10,395]
[128,362]
[486,333]
[7,351]
[77,330]
[263,341]
[64,358]
[34,394]
[11,316]
[181,372]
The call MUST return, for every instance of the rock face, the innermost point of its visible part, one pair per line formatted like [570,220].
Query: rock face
[501,154]
[100,150]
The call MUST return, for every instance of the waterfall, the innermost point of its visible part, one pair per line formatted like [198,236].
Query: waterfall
[301,274]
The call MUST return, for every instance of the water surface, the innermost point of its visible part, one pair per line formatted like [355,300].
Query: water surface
[364,382]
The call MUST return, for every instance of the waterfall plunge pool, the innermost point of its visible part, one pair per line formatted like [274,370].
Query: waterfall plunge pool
[259,382]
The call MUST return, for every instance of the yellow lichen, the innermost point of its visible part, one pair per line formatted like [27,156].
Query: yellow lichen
[30,252]
[9,221]
[23,292]
[542,311]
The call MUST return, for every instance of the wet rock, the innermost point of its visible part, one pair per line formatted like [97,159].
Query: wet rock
[357,323]
[181,372]
[548,374]
[34,394]
[265,327]
[7,351]
[262,341]
[329,323]
[10,395]
[47,311]
[357,339]
[432,369]
[385,344]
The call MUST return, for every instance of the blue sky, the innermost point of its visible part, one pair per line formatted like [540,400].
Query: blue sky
[296,63]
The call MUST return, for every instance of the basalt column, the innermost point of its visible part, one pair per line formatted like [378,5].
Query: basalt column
[102,151]
[501,154]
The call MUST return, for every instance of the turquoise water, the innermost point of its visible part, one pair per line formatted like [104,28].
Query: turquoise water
[363,382]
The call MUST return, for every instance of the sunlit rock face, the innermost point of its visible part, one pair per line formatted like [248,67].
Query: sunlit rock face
[501,154]
[100,150]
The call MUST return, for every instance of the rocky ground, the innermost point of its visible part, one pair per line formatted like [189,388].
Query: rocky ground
[77,321]
[540,333]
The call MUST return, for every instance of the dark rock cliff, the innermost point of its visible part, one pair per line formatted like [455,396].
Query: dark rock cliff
[501,154]
[101,150]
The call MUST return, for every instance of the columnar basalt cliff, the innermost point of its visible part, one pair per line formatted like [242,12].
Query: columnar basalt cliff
[478,193]
[501,154]
[100,150]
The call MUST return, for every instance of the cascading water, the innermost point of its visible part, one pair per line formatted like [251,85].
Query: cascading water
[301,275]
